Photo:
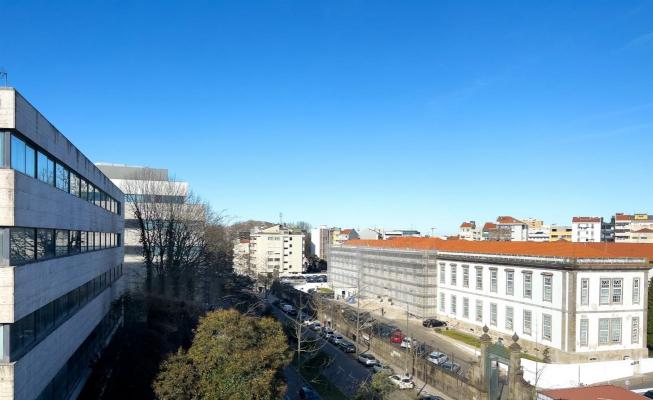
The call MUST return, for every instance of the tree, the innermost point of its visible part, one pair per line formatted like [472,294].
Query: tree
[376,389]
[233,356]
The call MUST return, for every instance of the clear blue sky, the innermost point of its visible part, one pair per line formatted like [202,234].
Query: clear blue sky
[397,114]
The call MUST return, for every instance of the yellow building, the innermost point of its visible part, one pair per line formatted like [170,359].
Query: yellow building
[560,233]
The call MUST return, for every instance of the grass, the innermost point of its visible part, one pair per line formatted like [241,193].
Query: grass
[474,341]
[311,370]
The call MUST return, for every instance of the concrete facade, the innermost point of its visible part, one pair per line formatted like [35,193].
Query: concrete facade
[38,337]
[277,250]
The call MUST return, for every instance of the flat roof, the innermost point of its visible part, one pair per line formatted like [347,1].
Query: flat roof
[535,249]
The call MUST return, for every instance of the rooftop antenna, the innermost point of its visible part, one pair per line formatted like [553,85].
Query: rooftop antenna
[3,76]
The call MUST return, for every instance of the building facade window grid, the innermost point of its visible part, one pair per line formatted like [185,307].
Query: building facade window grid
[546,327]
[547,287]
[465,307]
[527,328]
[479,278]
[584,292]
[509,317]
[494,280]
[634,331]
[466,276]
[609,331]
[454,275]
[479,310]
[528,284]
[510,282]
[453,304]
[493,314]
[636,290]
[442,273]
[584,332]
[611,291]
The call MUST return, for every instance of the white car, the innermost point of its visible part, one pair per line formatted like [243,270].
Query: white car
[406,342]
[437,358]
[403,382]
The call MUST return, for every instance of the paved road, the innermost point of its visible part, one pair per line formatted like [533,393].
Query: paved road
[344,371]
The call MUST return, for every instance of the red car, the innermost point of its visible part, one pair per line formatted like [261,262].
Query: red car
[396,337]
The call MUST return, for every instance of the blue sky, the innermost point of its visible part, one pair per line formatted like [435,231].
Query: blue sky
[396,114]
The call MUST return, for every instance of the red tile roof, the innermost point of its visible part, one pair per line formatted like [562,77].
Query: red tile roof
[623,217]
[489,225]
[603,392]
[550,249]
[586,219]
[466,225]
[506,219]
[644,230]
[345,231]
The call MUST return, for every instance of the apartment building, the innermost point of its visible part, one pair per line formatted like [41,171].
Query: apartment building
[511,229]
[398,233]
[539,234]
[339,236]
[489,231]
[580,302]
[277,250]
[60,259]
[370,234]
[633,228]
[143,185]
[533,223]
[560,232]
[242,258]
[469,231]
[586,229]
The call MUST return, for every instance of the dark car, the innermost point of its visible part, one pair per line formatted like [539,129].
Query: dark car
[307,393]
[292,313]
[347,347]
[649,394]
[433,323]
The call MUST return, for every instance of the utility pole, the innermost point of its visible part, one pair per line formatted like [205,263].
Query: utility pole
[409,342]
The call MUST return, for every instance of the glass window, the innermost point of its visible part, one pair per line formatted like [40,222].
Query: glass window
[493,314]
[584,292]
[584,332]
[44,243]
[466,276]
[62,179]
[617,286]
[636,291]
[96,196]
[527,322]
[547,291]
[493,280]
[442,271]
[546,327]
[84,241]
[83,189]
[454,275]
[479,310]
[61,242]
[479,278]
[509,317]
[75,184]
[510,283]
[17,154]
[75,242]
[21,245]
[465,307]
[615,330]
[45,168]
[604,294]
[442,302]
[634,331]
[453,304]
[528,285]
[30,161]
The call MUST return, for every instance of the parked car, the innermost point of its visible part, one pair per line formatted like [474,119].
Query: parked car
[327,332]
[306,393]
[307,320]
[423,350]
[437,358]
[406,342]
[451,366]
[403,382]
[396,337]
[346,346]
[382,368]
[433,323]
[336,338]
[292,312]
[430,397]
[648,394]
[316,326]
[367,359]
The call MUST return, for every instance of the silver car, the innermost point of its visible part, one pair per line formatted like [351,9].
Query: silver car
[367,359]
[437,358]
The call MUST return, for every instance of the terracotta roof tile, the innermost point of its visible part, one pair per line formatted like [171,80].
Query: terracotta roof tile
[506,219]
[466,225]
[551,249]
[602,392]
[586,219]
[489,225]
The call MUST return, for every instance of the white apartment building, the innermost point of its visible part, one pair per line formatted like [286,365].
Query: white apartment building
[144,185]
[469,231]
[511,229]
[61,257]
[277,250]
[586,229]
[579,302]
[320,241]
[539,234]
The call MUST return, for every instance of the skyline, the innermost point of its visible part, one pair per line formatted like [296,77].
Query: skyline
[338,114]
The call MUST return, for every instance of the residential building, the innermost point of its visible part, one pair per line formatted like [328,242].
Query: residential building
[511,229]
[586,229]
[558,232]
[489,231]
[370,234]
[277,250]
[539,234]
[400,233]
[320,241]
[533,223]
[242,258]
[607,231]
[469,231]
[633,228]
[60,258]
[144,185]
[581,301]
[340,236]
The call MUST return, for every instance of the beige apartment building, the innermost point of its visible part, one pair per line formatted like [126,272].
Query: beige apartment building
[277,250]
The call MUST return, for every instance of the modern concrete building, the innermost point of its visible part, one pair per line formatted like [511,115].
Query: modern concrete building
[586,229]
[277,250]
[145,185]
[634,228]
[539,234]
[559,232]
[61,256]
[578,301]
[320,241]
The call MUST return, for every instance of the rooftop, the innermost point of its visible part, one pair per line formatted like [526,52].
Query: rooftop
[506,219]
[603,392]
[541,249]
[586,219]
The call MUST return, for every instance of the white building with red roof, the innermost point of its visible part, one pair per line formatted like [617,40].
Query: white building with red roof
[510,229]
[586,229]
[469,231]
